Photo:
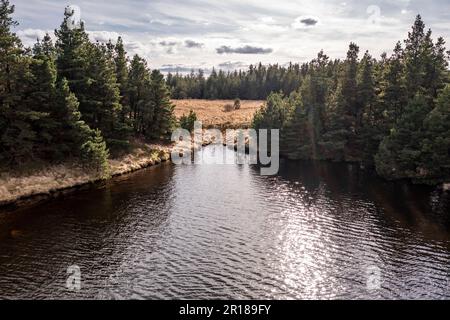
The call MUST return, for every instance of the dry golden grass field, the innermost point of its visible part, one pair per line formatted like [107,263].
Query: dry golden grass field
[212,112]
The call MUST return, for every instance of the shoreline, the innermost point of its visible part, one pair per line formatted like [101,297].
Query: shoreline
[58,180]
[53,181]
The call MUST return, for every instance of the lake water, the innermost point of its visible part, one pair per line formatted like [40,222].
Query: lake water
[316,231]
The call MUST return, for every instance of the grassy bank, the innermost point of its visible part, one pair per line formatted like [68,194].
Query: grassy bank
[47,181]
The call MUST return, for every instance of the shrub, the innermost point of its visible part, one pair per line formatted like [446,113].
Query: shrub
[228,107]
[237,104]
[95,154]
[187,122]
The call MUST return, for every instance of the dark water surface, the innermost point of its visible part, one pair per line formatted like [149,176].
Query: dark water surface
[318,230]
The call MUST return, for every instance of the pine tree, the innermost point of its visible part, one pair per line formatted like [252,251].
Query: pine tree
[163,120]
[138,89]
[121,66]
[303,131]
[95,154]
[370,132]
[42,97]
[435,146]
[436,67]
[413,58]
[10,55]
[344,114]
[338,128]
[274,114]
[17,135]
[71,132]
[187,121]
[101,107]
[211,91]
[296,142]
[399,155]
[425,62]
[74,138]
[393,95]
[72,61]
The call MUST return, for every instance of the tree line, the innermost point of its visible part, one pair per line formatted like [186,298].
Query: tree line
[392,113]
[75,99]
[254,84]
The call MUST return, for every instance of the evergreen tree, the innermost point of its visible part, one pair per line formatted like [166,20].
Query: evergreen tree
[95,154]
[274,114]
[73,136]
[42,96]
[435,146]
[17,135]
[296,143]
[163,120]
[370,131]
[138,89]
[101,107]
[187,121]
[121,66]
[425,62]
[11,54]
[414,67]
[399,155]
[304,129]
[393,95]
[71,132]
[344,114]
[72,60]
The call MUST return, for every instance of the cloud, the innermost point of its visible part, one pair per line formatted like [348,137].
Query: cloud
[173,68]
[30,36]
[168,43]
[263,28]
[267,19]
[309,21]
[232,65]
[136,47]
[192,44]
[304,22]
[243,50]
[167,23]
[133,45]
[103,36]
[266,24]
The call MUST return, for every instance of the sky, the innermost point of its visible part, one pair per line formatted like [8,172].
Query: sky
[232,34]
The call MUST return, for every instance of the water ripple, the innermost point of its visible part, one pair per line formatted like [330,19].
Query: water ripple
[195,232]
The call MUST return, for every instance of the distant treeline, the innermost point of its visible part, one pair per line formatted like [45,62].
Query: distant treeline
[74,99]
[254,84]
[392,113]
